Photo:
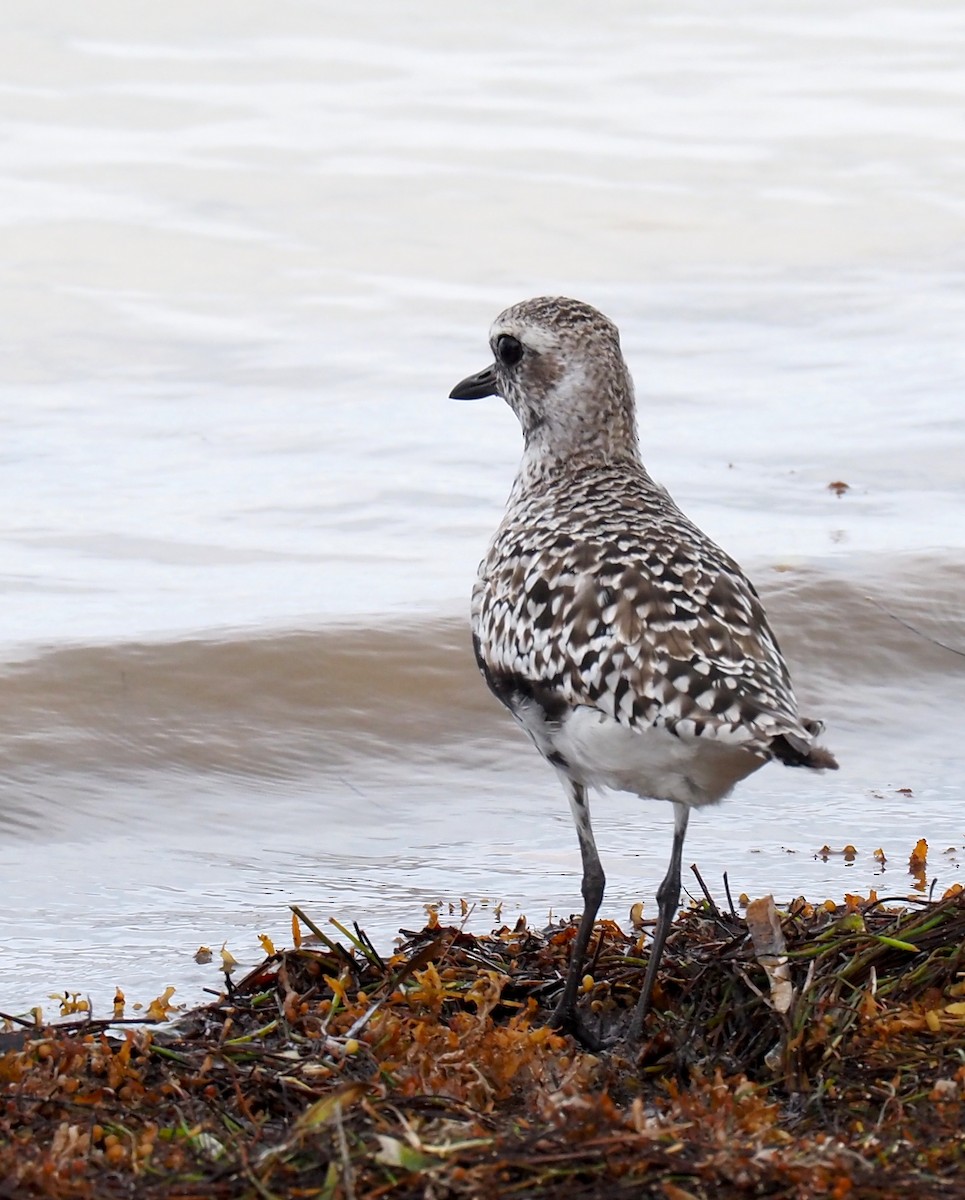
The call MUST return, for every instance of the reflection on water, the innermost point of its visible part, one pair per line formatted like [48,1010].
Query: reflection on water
[248,252]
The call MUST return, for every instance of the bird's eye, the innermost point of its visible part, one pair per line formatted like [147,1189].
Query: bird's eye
[509,350]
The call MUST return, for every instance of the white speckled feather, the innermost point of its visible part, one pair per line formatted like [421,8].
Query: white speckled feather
[597,593]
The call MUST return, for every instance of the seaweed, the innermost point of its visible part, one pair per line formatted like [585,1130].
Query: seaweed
[807,1050]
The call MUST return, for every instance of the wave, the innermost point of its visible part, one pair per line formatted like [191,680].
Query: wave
[282,703]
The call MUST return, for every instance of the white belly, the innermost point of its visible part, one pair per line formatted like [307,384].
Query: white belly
[597,751]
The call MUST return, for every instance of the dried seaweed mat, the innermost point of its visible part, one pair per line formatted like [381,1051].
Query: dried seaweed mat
[794,1051]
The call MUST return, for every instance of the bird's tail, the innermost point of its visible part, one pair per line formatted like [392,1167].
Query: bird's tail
[796,751]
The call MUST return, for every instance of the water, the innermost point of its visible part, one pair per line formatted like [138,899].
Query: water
[248,252]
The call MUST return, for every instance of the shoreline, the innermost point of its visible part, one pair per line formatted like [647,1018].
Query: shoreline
[802,1050]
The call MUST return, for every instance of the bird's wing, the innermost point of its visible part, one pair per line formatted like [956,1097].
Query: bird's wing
[655,630]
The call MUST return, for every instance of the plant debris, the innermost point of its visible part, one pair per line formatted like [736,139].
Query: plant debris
[818,1052]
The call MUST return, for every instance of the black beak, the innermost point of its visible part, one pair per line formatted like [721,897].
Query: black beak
[476,386]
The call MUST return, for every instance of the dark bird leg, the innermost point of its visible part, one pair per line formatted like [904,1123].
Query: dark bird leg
[594,881]
[668,896]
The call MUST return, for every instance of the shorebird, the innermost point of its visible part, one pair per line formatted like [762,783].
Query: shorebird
[633,651]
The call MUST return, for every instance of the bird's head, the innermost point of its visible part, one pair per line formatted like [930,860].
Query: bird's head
[558,365]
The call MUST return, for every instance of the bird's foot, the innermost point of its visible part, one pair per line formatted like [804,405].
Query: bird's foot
[566,1019]
[642,1045]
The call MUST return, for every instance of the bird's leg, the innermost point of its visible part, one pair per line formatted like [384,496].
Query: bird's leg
[594,881]
[668,896]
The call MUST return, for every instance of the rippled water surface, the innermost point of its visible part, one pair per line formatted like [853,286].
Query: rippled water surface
[247,253]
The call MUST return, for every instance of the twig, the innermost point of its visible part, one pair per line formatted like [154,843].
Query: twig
[336,947]
[366,941]
[595,958]
[707,896]
[19,1021]
[730,898]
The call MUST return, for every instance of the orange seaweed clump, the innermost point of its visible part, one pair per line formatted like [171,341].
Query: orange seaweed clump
[331,1072]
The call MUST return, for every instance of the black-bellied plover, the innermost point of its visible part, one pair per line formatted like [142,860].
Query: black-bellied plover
[631,649]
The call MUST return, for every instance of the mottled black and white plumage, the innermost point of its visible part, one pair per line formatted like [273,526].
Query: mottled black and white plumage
[631,649]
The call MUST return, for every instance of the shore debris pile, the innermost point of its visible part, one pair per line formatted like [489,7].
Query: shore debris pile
[806,1050]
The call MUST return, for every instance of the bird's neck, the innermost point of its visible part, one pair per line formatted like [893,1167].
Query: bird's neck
[548,460]
[588,422]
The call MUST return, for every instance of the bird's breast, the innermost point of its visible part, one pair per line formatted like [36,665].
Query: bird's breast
[597,751]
